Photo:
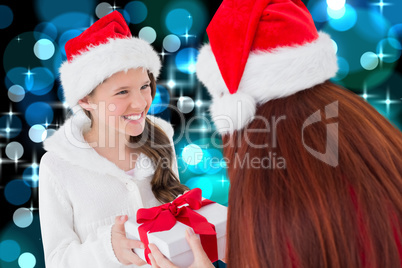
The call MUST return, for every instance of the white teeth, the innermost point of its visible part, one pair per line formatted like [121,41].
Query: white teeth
[133,117]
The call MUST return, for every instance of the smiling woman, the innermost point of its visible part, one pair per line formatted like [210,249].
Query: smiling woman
[104,163]
[127,96]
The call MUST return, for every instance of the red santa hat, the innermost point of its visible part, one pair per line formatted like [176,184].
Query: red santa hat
[261,50]
[105,48]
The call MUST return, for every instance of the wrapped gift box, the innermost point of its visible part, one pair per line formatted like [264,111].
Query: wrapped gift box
[173,243]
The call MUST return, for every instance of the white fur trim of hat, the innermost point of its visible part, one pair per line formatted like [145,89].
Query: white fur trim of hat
[89,69]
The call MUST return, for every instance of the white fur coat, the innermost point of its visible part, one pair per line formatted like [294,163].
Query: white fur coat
[81,193]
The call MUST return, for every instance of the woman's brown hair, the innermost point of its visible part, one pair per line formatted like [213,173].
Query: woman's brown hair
[309,213]
[154,143]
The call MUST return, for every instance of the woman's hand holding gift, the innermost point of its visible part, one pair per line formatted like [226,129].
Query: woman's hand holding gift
[201,259]
[122,246]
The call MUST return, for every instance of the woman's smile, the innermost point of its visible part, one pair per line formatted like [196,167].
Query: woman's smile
[134,118]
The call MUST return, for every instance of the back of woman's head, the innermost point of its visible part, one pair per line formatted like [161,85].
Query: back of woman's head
[317,185]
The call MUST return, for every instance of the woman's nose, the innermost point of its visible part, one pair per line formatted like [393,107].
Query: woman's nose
[138,102]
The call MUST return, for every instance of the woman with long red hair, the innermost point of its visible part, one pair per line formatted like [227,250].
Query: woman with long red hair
[315,171]
[313,214]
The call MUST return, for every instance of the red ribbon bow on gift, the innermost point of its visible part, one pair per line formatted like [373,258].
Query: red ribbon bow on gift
[164,217]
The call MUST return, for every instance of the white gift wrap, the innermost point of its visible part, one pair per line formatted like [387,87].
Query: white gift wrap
[173,243]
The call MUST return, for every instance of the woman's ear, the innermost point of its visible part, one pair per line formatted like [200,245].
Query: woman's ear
[86,104]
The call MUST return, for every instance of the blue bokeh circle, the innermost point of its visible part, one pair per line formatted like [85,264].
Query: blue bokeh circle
[40,82]
[16,93]
[47,10]
[390,48]
[45,29]
[6,16]
[17,76]
[44,49]
[179,21]
[203,183]
[161,100]
[27,260]
[10,126]
[17,192]
[186,60]
[137,10]
[23,217]
[9,250]
[319,11]
[346,22]
[31,176]
[39,113]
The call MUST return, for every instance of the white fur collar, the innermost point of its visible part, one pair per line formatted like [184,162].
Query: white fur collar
[69,144]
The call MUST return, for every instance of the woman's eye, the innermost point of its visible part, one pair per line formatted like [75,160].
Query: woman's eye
[122,92]
[144,86]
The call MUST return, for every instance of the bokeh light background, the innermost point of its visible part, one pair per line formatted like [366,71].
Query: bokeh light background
[366,33]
